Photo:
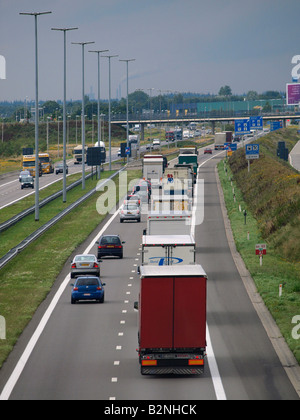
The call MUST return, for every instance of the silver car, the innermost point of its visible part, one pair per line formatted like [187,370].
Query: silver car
[130,211]
[85,264]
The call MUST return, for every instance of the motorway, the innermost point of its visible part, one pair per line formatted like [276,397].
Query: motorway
[88,351]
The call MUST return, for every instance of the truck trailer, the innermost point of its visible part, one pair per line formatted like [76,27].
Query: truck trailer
[169,223]
[172,320]
[220,139]
[159,250]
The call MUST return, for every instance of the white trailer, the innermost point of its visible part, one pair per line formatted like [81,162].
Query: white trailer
[169,224]
[159,250]
[153,169]
[170,203]
[220,139]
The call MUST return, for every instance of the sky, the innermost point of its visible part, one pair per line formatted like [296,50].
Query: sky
[179,46]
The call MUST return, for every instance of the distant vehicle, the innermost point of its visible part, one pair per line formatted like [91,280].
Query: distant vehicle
[149,146]
[46,162]
[130,211]
[119,152]
[110,245]
[85,264]
[23,174]
[28,164]
[132,198]
[27,182]
[208,151]
[156,142]
[77,152]
[60,169]
[88,288]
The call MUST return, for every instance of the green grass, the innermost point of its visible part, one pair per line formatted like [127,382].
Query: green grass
[275,269]
[28,278]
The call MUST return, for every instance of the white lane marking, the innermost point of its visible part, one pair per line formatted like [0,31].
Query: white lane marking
[211,359]
[10,384]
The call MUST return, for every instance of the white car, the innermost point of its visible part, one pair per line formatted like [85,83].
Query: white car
[85,264]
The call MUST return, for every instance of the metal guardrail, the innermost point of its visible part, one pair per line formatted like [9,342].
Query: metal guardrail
[18,217]
[27,241]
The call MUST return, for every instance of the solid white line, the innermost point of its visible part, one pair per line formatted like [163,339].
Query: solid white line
[211,359]
[9,386]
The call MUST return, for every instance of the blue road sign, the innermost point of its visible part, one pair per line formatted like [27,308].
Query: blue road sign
[230,146]
[252,151]
[242,126]
[256,122]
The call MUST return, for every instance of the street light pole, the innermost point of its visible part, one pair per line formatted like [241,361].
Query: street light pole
[37,168]
[82,116]
[98,109]
[64,30]
[127,126]
[109,108]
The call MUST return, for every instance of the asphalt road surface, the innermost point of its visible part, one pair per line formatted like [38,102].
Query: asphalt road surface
[88,351]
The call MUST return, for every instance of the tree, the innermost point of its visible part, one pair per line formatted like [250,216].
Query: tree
[225,91]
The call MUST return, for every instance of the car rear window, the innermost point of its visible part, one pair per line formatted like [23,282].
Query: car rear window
[87,282]
[83,258]
[114,240]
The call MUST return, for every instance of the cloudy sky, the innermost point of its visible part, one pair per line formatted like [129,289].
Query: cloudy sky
[179,46]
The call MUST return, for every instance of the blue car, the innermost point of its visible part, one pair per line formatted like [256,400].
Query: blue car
[88,288]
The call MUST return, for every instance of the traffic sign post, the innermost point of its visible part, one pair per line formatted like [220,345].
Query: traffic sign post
[242,126]
[252,152]
[260,249]
[256,123]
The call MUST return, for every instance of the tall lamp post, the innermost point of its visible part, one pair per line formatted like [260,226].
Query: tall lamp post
[82,115]
[37,186]
[98,110]
[127,127]
[64,30]
[109,108]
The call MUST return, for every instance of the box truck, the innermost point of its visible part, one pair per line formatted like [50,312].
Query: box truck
[189,159]
[169,223]
[172,320]
[220,139]
[153,170]
[159,250]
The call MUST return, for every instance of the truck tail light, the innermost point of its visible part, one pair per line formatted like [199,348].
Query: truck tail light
[149,362]
[193,362]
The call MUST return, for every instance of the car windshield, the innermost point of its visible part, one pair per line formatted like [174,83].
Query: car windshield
[87,281]
[114,240]
[27,179]
[81,258]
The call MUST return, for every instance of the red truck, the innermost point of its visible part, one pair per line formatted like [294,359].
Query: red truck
[172,320]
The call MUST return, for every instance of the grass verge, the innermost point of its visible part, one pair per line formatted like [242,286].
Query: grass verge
[274,271]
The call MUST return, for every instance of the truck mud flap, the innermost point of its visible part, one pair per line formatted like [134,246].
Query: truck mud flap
[168,370]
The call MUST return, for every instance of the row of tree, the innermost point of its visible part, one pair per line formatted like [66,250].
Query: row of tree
[139,101]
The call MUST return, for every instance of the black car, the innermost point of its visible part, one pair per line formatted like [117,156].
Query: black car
[110,245]
[60,169]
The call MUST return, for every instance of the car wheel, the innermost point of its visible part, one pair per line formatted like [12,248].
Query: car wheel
[121,256]
[101,300]
[73,301]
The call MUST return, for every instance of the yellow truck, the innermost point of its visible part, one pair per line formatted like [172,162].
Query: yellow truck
[46,162]
[28,164]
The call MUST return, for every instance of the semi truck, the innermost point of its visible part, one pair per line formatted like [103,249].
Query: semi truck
[169,223]
[153,169]
[172,320]
[160,250]
[220,139]
[189,159]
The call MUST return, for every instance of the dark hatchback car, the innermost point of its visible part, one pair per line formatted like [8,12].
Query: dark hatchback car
[88,288]
[110,245]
